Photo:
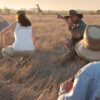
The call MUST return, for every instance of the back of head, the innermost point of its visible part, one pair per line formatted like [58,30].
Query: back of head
[89,47]
[22,18]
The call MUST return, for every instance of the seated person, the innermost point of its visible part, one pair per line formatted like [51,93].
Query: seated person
[75,24]
[24,38]
[86,84]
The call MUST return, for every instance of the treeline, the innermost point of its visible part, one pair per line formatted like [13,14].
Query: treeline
[48,12]
[30,11]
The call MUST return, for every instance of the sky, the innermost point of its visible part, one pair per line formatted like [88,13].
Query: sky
[52,4]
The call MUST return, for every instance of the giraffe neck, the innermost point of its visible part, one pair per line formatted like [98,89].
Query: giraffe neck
[39,9]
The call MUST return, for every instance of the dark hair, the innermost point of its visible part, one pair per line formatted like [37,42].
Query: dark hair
[22,19]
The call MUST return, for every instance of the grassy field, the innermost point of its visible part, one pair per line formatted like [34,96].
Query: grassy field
[40,77]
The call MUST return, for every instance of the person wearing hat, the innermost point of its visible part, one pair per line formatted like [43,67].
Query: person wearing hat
[85,85]
[76,26]
[24,44]
[89,47]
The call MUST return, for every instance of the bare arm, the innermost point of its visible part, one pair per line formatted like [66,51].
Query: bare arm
[76,35]
[62,17]
[4,32]
[10,28]
[66,19]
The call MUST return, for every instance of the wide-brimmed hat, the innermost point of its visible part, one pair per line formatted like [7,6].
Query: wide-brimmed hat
[89,47]
[74,13]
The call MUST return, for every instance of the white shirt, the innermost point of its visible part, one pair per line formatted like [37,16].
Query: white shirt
[23,38]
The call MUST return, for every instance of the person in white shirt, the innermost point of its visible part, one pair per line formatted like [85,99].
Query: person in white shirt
[24,44]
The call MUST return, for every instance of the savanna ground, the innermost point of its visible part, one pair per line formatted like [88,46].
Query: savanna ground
[40,77]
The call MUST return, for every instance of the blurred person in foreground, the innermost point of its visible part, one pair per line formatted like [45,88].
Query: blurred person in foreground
[85,85]
[3,24]
[24,44]
[76,27]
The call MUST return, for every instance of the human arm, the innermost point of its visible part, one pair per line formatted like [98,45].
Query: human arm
[10,28]
[65,18]
[76,35]
[79,89]
[66,86]
[5,32]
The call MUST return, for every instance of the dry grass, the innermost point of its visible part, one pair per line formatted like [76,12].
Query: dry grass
[39,79]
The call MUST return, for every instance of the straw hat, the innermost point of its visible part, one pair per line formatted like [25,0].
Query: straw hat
[89,47]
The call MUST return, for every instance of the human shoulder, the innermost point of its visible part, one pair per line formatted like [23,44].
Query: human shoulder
[83,70]
[89,69]
[18,24]
[30,26]
[81,23]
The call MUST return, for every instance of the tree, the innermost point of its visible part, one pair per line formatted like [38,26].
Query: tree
[98,11]
[6,11]
[0,11]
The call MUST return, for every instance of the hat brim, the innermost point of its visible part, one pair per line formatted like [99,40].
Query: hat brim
[85,53]
[66,17]
[79,15]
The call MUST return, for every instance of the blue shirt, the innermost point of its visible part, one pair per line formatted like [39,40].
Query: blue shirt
[86,85]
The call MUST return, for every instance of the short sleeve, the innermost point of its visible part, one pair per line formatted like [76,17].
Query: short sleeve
[81,28]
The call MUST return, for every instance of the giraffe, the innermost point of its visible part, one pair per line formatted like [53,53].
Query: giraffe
[39,10]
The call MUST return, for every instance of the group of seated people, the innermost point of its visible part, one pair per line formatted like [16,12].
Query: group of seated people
[24,43]
[85,40]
